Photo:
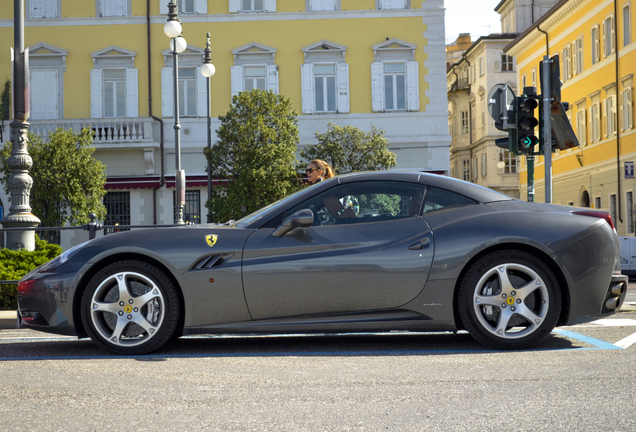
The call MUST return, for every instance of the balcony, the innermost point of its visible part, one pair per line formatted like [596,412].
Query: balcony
[459,85]
[116,132]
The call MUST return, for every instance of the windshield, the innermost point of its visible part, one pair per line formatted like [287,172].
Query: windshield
[253,216]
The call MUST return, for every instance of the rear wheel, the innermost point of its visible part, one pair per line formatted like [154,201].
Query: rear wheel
[509,300]
[130,307]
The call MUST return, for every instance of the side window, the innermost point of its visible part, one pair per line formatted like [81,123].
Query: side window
[363,202]
[437,199]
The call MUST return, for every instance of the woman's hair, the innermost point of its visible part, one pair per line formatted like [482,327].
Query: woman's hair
[327,171]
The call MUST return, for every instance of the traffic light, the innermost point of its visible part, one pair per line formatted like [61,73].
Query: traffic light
[526,121]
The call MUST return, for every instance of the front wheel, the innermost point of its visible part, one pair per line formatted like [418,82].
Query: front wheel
[509,300]
[130,307]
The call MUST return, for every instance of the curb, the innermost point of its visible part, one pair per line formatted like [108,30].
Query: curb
[8,320]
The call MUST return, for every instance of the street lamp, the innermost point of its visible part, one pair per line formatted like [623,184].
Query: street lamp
[178,44]
[207,70]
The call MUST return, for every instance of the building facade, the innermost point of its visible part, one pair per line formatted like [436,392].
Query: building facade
[594,40]
[106,64]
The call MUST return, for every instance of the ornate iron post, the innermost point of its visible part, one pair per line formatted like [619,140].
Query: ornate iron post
[20,162]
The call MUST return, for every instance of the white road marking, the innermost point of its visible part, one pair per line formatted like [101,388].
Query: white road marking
[609,322]
[627,342]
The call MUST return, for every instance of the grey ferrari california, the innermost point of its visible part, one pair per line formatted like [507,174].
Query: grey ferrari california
[365,252]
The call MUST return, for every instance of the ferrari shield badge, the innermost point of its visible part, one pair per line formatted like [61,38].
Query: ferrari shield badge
[211,239]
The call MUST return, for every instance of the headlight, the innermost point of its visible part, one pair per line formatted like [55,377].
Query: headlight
[60,259]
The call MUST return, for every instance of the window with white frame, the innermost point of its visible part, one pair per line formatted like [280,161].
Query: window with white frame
[47,64]
[43,8]
[322,5]
[483,165]
[192,85]
[609,119]
[509,162]
[325,79]
[595,122]
[566,62]
[629,212]
[254,68]
[464,119]
[578,55]
[466,170]
[612,209]
[524,81]
[507,63]
[534,77]
[597,202]
[113,8]
[627,112]
[627,25]
[581,126]
[185,7]
[392,4]
[114,83]
[596,45]
[252,6]
[395,77]
[608,36]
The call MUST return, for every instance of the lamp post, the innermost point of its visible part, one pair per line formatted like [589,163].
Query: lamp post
[20,181]
[207,70]
[178,44]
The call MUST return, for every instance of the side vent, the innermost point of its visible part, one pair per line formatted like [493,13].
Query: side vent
[212,261]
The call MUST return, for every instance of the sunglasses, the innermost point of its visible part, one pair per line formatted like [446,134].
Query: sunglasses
[310,170]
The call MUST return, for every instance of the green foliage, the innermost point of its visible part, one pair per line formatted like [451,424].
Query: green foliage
[68,183]
[255,153]
[349,149]
[380,203]
[5,101]
[16,263]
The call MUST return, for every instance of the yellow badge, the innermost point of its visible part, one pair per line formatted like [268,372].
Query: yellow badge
[510,300]
[211,239]
[128,309]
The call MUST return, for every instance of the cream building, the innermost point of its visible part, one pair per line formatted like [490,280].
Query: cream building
[105,64]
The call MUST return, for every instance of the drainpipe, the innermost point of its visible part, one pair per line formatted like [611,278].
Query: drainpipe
[532,11]
[470,124]
[547,46]
[162,179]
[618,129]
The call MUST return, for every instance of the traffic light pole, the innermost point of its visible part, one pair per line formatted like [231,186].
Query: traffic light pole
[530,162]
[546,135]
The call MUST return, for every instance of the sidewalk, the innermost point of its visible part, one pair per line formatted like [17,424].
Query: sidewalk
[8,319]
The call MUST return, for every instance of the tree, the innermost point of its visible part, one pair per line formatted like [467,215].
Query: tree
[349,149]
[68,183]
[255,155]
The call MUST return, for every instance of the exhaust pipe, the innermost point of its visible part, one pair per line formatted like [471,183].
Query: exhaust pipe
[618,289]
[613,303]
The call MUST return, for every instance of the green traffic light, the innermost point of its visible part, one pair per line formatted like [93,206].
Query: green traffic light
[528,142]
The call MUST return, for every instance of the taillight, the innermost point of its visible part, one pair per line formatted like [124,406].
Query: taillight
[601,214]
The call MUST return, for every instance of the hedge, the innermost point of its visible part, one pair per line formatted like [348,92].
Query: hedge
[16,263]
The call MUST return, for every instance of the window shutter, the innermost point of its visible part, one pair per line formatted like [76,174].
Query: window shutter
[202,94]
[51,9]
[317,5]
[628,106]
[96,93]
[413,86]
[237,80]
[132,93]
[574,65]
[307,87]
[163,7]
[272,78]
[612,30]
[37,89]
[50,94]
[343,88]
[107,8]
[270,5]
[330,5]
[604,36]
[167,92]
[514,63]
[37,8]
[201,7]
[605,117]
[235,6]
[377,103]
[121,7]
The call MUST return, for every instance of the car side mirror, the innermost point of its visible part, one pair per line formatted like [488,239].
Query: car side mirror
[301,219]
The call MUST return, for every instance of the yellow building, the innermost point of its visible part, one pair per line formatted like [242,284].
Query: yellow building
[597,60]
[107,63]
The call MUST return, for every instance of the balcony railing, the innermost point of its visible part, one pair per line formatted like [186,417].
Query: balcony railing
[116,130]
[459,85]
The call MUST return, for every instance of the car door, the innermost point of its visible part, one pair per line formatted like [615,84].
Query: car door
[379,258]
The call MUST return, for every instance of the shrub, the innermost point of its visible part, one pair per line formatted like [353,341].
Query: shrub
[16,263]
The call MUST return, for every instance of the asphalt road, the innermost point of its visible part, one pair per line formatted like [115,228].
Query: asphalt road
[579,379]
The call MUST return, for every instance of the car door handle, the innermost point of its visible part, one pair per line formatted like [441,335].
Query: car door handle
[420,244]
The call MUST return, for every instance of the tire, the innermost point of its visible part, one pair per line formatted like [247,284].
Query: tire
[509,300]
[130,308]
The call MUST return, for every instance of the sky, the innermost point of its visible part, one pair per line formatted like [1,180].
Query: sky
[477,17]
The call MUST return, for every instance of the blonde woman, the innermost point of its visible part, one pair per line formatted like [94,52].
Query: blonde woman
[318,170]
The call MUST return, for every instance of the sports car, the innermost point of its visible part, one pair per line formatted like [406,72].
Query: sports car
[363,252]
